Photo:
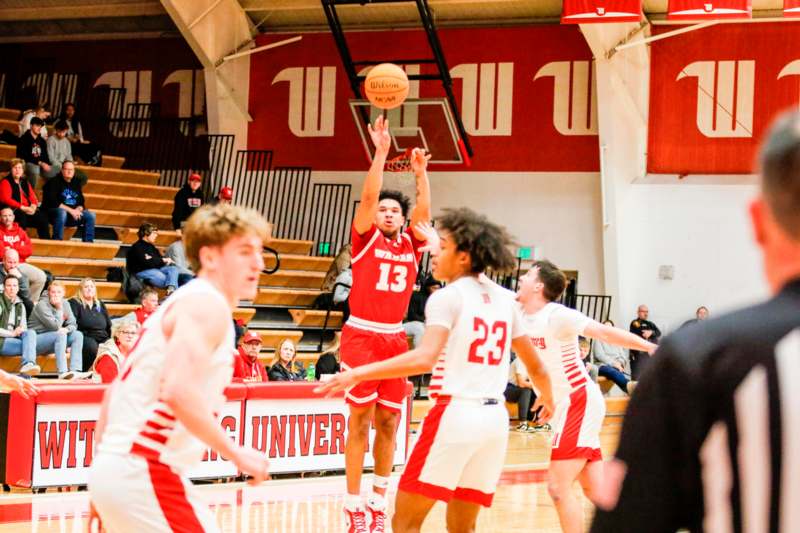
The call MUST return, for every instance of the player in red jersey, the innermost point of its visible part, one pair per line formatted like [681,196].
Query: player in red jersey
[385,259]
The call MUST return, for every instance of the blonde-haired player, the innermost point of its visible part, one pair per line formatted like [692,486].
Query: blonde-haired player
[580,407]
[159,416]
[470,328]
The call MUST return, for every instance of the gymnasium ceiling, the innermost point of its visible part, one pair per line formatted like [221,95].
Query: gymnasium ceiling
[28,21]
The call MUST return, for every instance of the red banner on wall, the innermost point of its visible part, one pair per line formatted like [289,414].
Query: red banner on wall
[714,91]
[526,95]
[791,8]
[709,9]
[585,11]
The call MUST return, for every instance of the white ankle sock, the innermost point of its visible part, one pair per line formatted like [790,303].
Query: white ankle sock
[352,502]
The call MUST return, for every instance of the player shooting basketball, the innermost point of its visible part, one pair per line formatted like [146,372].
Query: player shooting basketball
[385,259]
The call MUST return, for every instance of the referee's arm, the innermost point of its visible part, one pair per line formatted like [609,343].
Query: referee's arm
[658,471]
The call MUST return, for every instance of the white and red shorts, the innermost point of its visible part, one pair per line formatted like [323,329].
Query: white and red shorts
[131,493]
[360,347]
[460,451]
[577,423]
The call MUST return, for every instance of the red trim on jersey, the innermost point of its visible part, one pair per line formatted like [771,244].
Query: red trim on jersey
[155,425]
[164,414]
[473,496]
[159,438]
[568,439]
[590,454]
[171,496]
[410,481]
[143,451]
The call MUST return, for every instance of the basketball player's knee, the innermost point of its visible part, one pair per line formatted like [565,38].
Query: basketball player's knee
[386,424]
[557,491]
[359,425]
[459,525]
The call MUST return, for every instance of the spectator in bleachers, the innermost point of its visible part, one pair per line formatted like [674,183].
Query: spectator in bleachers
[284,366]
[146,263]
[10,268]
[25,122]
[32,148]
[187,199]
[91,318]
[17,193]
[340,263]
[699,315]
[520,389]
[149,299]
[64,204]
[58,147]
[112,353]
[55,328]
[13,236]
[414,325]
[328,363]
[225,196]
[177,253]
[246,366]
[612,361]
[81,147]
[585,347]
[642,327]
[15,337]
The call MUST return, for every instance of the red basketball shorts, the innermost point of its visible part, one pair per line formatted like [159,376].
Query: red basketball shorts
[360,347]
[577,423]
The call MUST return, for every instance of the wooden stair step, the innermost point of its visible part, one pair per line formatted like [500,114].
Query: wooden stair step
[272,337]
[617,405]
[131,219]
[121,175]
[47,362]
[293,278]
[113,161]
[287,297]
[128,235]
[74,249]
[316,318]
[11,125]
[291,246]
[7,151]
[130,190]
[75,267]
[9,114]
[298,262]
[245,314]
[129,203]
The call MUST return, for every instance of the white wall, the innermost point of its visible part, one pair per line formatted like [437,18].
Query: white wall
[559,212]
[700,229]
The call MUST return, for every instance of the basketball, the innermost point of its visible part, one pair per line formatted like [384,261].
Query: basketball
[386,86]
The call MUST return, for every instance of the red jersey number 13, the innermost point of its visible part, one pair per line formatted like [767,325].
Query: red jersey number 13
[393,278]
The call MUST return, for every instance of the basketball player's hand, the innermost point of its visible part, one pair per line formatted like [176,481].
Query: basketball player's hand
[95,525]
[546,406]
[253,463]
[339,382]
[432,243]
[419,160]
[25,388]
[380,135]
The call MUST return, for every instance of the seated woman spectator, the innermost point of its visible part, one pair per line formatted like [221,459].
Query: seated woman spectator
[64,204]
[613,361]
[187,199]
[55,327]
[17,193]
[15,337]
[520,389]
[146,263]
[149,300]
[112,353]
[87,151]
[246,366]
[284,367]
[91,317]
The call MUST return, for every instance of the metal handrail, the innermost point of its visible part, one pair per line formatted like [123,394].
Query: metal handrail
[328,313]
[277,260]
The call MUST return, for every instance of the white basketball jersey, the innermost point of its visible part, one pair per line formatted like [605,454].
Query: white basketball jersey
[137,421]
[482,318]
[554,330]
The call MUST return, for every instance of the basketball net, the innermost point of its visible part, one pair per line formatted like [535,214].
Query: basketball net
[400,164]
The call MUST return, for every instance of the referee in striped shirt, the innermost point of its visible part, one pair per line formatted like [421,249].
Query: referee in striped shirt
[711,439]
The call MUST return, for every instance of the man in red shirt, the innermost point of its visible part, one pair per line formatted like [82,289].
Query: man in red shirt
[385,259]
[246,366]
[13,236]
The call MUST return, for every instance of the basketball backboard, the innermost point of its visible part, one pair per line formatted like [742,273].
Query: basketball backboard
[418,123]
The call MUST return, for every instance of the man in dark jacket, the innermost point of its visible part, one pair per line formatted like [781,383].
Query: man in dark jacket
[187,199]
[647,330]
[64,204]
[146,263]
[32,148]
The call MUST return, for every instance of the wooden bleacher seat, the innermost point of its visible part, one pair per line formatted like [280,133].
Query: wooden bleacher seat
[119,309]
[7,151]
[9,114]
[74,249]
[315,318]
[47,362]
[63,267]
[109,202]
[287,297]
[113,161]
[10,125]
[128,235]
[299,262]
[129,190]
[121,175]
[271,337]
[131,219]
[293,278]
[291,246]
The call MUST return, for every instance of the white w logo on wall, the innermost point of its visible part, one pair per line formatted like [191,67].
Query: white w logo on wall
[494,82]
[574,96]
[725,92]
[312,93]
